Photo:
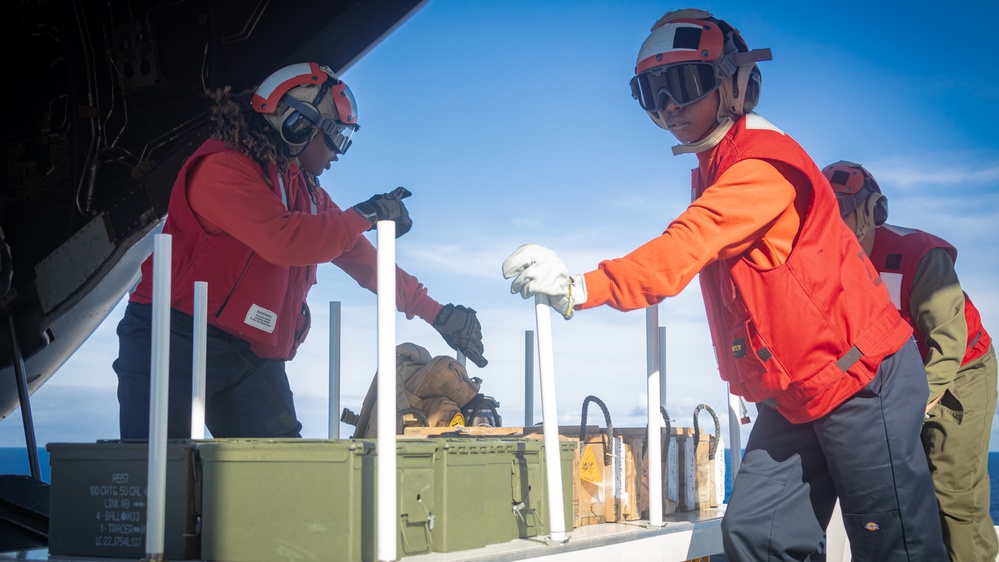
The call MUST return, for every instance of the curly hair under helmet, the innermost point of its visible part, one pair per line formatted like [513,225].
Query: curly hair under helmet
[235,123]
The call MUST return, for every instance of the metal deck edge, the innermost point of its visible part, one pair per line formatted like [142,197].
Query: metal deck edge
[683,536]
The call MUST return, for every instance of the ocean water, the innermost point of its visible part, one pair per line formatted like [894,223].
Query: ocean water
[14,460]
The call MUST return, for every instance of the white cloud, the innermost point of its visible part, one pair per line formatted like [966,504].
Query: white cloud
[947,173]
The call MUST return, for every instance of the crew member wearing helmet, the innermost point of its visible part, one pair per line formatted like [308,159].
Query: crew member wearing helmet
[838,382]
[248,216]
[918,270]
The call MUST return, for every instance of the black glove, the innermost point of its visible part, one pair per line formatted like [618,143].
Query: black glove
[388,207]
[461,330]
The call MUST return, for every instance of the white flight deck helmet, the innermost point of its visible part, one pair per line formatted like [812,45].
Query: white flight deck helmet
[301,97]
[690,54]
[857,191]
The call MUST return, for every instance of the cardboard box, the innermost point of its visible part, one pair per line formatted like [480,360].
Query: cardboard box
[607,482]
[703,474]
[638,477]
[691,479]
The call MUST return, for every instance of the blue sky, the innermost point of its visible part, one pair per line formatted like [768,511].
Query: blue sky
[512,122]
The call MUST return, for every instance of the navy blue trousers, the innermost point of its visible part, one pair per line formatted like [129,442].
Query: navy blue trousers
[866,452]
[245,395]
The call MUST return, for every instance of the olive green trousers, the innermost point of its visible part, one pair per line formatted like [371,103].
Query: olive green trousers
[956,439]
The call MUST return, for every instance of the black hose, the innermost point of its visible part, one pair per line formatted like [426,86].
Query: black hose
[697,432]
[608,450]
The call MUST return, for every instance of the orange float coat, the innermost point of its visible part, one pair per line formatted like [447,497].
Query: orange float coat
[797,313]
[256,239]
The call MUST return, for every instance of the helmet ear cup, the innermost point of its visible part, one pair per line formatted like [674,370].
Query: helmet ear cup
[740,93]
[296,128]
[880,210]
[752,89]
[876,207]
[746,89]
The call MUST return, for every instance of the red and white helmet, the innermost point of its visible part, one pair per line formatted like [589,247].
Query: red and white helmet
[300,98]
[688,55]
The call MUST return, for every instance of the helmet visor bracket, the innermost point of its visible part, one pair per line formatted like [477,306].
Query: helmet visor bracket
[684,83]
[346,106]
[849,202]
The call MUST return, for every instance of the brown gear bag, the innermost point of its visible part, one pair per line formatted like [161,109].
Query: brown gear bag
[430,391]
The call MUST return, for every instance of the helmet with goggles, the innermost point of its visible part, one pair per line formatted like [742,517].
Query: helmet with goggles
[857,190]
[301,98]
[688,55]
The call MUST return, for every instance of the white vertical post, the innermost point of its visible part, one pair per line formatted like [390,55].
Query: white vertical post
[734,433]
[549,415]
[528,378]
[198,375]
[459,357]
[159,396]
[334,429]
[655,418]
[662,369]
[385,445]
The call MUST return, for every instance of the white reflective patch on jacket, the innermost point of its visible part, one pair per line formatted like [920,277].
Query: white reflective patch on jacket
[893,282]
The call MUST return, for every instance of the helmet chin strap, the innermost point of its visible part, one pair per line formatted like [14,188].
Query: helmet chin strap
[710,141]
[295,150]
[865,222]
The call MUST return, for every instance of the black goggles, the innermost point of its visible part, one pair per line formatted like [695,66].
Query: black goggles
[337,135]
[684,83]
[299,127]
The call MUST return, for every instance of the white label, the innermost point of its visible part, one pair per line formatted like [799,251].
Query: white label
[691,474]
[672,483]
[720,471]
[261,319]
[618,467]
[893,282]
[119,513]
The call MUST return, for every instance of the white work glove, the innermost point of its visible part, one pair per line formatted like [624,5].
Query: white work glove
[539,271]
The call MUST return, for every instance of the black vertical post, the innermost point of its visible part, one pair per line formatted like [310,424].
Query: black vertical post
[22,395]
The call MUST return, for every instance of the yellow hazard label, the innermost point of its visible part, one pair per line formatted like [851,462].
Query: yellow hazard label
[589,470]
[457,420]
